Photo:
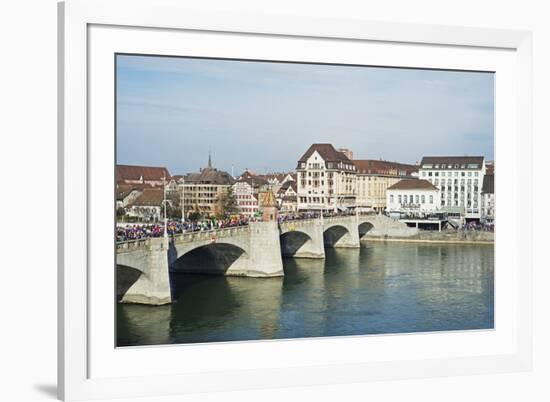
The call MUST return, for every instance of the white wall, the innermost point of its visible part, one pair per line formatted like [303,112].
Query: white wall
[28,136]
[425,206]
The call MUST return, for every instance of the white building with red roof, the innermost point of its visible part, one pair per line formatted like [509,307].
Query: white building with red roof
[413,196]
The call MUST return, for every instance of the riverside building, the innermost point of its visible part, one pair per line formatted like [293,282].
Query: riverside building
[153,176]
[413,197]
[203,189]
[246,190]
[374,177]
[326,180]
[460,180]
[488,199]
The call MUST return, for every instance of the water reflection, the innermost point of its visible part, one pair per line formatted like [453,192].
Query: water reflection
[379,288]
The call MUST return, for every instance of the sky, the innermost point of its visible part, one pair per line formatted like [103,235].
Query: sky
[173,111]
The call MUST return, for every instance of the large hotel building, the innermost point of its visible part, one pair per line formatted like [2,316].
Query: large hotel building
[373,179]
[459,180]
[326,180]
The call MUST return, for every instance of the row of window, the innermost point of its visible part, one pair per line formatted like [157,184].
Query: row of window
[451,166]
[248,203]
[449,174]
[329,165]
[456,203]
[313,200]
[412,199]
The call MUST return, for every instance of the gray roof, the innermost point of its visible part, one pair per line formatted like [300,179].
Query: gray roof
[452,162]
[210,176]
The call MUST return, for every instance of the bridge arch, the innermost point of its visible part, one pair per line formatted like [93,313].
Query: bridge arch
[214,258]
[126,276]
[364,228]
[335,234]
[292,241]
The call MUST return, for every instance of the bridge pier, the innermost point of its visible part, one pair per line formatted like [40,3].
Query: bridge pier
[153,285]
[264,256]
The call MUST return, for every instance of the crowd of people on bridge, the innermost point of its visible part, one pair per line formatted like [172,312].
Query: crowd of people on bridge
[143,231]
[313,215]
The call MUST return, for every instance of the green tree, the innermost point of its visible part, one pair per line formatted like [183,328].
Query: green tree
[120,213]
[194,216]
[226,204]
[174,205]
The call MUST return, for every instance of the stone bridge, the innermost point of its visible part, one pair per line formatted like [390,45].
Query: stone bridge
[309,238]
[255,250]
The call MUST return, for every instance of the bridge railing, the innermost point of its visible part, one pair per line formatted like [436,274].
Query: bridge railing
[210,234]
[326,218]
[129,245]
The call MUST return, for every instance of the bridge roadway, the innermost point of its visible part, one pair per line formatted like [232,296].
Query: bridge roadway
[255,250]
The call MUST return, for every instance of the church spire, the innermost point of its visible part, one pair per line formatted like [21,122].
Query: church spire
[209,159]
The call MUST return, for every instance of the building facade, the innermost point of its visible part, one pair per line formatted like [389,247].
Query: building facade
[373,179]
[460,180]
[287,198]
[488,199]
[202,191]
[326,180]
[413,197]
[147,207]
[246,196]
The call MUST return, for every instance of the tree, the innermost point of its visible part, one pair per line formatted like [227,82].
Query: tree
[226,204]
[194,216]
[174,205]
[120,212]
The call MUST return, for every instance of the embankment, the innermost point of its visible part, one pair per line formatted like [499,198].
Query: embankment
[447,236]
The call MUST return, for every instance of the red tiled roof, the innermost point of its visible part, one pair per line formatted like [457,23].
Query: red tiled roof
[131,172]
[412,184]
[372,166]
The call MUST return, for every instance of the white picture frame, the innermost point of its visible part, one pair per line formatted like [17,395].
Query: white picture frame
[90,369]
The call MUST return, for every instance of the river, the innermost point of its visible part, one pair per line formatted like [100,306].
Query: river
[378,289]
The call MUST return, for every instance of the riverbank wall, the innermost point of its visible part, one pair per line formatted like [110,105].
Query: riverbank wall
[427,236]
